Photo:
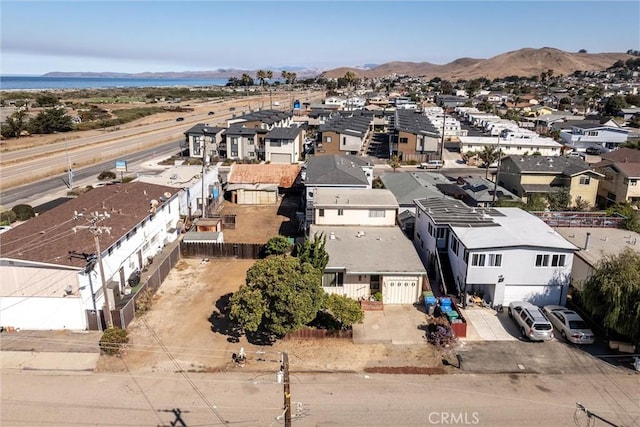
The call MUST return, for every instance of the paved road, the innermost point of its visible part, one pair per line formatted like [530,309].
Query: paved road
[254,399]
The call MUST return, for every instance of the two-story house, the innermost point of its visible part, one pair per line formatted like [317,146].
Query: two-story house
[621,181]
[48,283]
[505,253]
[242,142]
[584,135]
[283,145]
[413,137]
[334,172]
[343,134]
[527,175]
[368,253]
[203,137]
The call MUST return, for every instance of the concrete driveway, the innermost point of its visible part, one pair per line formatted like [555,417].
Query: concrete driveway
[396,324]
[485,324]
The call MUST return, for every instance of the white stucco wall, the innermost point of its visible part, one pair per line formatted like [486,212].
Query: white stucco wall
[354,217]
[43,313]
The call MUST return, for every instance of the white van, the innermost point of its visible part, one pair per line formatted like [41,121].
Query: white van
[431,164]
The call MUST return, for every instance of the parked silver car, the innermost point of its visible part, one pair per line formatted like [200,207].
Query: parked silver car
[571,326]
[531,320]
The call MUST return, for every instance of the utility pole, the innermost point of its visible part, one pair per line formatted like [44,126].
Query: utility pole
[91,262]
[495,184]
[96,230]
[444,123]
[204,169]
[287,390]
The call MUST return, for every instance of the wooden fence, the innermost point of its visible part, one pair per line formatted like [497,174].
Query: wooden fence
[310,334]
[222,250]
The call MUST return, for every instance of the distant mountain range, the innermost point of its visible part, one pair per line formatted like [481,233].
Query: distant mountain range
[523,62]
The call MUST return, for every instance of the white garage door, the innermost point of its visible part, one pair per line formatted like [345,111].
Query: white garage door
[281,158]
[399,290]
[538,295]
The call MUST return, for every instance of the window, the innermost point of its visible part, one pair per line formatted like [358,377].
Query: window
[494,260]
[585,180]
[332,279]
[592,133]
[234,154]
[197,148]
[327,139]
[440,233]
[340,212]
[542,260]
[250,141]
[344,140]
[275,143]
[430,229]
[376,213]
[252,154]
[321,212]
[404,140]
[557,260]
[633,182]
[454,245]
[477,260]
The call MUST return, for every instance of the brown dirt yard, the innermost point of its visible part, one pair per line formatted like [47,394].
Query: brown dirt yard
[185,331]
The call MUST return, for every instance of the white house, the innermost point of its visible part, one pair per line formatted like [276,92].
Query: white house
[512,143]
[50,277]
[584,135]
[334,171]
[506,253]
[187,181]
[355,206]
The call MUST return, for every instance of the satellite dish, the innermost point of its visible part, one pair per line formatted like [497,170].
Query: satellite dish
[167,194]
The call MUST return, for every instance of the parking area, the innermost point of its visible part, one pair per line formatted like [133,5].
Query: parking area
[486,324]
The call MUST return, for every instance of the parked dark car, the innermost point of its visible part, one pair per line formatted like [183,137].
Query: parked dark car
[594,150]
[211,113]
[180,119]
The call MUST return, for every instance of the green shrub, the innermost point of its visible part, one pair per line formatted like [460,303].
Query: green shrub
[23,212]
[128,179]
[113,340]
[345,310]
[144,301]
[7,217]
[105,175]
[278,245]
[377,296]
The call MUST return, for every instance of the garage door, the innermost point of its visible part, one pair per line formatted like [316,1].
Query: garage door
[399,290]
[281,158]
[538,295]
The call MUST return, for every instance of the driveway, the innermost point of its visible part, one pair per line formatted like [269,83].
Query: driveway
[485,324]
[396,324]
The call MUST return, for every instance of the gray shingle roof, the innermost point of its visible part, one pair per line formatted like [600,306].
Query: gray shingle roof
[238,129]
[559,165]
[336,170]
[408,186]
[200,126]
[415,123]
[283,133]
[265,116]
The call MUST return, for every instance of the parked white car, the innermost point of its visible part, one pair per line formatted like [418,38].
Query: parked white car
[571,326]
[531,321]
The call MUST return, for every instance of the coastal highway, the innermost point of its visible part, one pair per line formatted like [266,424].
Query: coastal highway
[40,162]
[54,186]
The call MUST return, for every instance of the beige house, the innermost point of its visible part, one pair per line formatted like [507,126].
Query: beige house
[621,182]
[527,175]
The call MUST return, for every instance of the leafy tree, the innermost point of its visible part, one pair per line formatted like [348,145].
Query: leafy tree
[489,154]
[626,209]
[246,80]
[614,104]
[350,78]
[23,212]
[446,87]
[394,162]
[277,245]
[536,203]
[559,200]
[50,121]
[345,310]
[14,124]
[313,251]
[612,293]
[281,295]
[632,100]
[261,75]
[582,51]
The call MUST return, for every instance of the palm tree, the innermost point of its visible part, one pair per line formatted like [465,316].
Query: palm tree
[262,76]
[269,74]
[488,155]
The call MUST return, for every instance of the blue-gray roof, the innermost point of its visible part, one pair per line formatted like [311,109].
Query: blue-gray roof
[283,133]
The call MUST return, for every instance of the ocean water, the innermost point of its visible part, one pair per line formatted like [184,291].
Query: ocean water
[41,82]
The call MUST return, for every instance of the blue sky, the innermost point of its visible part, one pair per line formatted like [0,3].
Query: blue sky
[138,36]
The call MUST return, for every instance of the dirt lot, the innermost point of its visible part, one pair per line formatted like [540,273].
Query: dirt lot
[183,330]
[179,332]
